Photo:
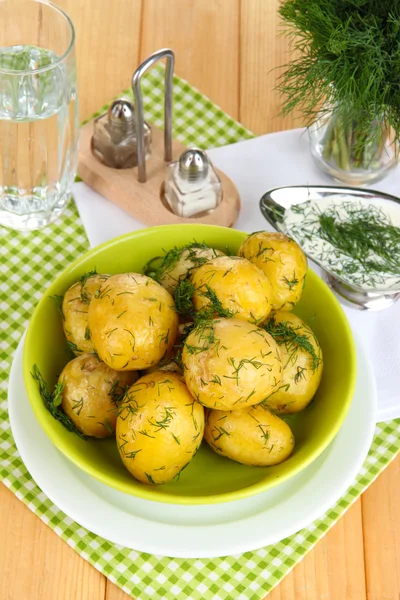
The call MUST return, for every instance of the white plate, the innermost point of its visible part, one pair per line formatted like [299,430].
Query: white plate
[196,531]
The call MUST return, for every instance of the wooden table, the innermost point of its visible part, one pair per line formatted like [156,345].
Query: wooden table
[227,48]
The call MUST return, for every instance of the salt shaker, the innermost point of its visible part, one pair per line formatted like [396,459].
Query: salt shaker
[192,185]
[114,141]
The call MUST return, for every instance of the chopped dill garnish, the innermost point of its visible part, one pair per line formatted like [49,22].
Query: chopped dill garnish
[87,333]
[176,439]
[286,334]
[353,240]
[58,300]
[73,348]
[300,374]
[158,265]
[150,479]
[86,276]
[291,283]
[52,402]
[183,298]
[117,392]
[165,422]
[214,308]
[107,426]
[77,406]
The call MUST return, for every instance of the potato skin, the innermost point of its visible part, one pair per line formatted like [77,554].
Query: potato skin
[189,260]
[301,373]
[159,427]
[253,436]
[133,322]
[75,308]
[230,364]
[283,262]
[240,286]
[91,393]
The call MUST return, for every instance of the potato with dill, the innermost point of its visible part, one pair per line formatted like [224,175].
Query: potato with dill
[230,364]
[177,263]
[301,360]
[253,436]
[159,427]
[74,308]
[90,394]
[283,262]
[234,285]
[132,321]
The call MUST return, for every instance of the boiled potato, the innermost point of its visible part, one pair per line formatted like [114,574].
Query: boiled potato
[178,262]
[283,262]
[230,364]
[132,321]
[253,436]
[159,427]
[75,308]
[237,284]
[301,360]
[91,394]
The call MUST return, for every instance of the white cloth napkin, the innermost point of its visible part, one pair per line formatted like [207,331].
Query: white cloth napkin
[256,166]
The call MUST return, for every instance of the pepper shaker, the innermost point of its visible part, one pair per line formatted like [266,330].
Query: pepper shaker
[114,140]
[192,185]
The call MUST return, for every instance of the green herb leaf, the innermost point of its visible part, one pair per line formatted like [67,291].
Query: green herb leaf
[53,401]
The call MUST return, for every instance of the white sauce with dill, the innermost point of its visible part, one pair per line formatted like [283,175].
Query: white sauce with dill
[302,222]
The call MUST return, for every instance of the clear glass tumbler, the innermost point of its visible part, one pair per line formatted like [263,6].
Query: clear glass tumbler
[38,113]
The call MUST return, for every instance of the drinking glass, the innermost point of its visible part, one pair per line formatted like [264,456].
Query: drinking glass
[38,113]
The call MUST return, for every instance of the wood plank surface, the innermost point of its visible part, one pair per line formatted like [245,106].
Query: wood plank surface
[229,50]
[381,530]
[36,564]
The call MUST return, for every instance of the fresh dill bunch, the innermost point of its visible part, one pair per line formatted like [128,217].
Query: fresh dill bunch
[285,333]
[347,56]
[52,402]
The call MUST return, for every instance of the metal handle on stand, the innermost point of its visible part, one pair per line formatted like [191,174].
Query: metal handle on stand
[137,93]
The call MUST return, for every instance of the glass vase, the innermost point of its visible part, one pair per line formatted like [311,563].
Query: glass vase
[349,155]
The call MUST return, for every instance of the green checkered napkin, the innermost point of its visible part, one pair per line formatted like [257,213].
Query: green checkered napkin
[29,262]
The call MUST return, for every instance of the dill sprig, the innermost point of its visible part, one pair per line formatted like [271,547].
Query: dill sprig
[363,238]
[83,279]
[53,400]
[158,265]
[215,307]
[286,334]
[347,55]
[58,301]
[117,392]
[362,246]
[183,297]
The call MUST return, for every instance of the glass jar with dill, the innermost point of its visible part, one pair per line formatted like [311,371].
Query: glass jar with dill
[344,82]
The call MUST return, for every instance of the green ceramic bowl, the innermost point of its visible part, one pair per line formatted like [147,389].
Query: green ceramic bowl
[209,478]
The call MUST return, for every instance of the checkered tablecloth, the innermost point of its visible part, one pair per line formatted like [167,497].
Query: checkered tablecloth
[29,261]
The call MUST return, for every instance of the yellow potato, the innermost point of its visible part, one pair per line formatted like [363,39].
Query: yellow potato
[91,394]
[253,436]
[186,260]
[283,262]
[230,364]
[132,321]
[159,427]
[75,307]
[301,360]
[238,285]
